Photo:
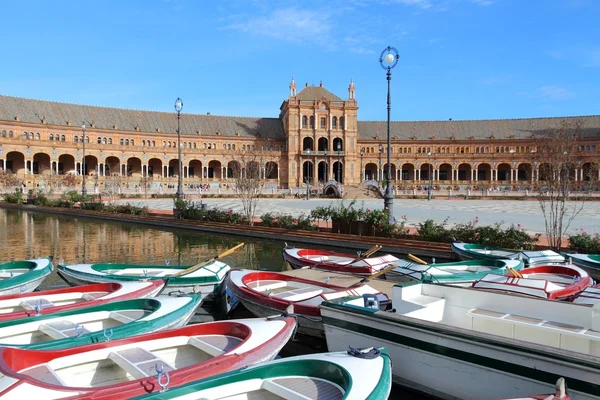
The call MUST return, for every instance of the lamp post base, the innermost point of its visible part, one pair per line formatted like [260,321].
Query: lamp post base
[388,203]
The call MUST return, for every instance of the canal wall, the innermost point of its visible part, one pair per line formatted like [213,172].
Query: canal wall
[440,251]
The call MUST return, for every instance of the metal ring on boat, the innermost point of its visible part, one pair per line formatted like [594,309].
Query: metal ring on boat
[108,336]
[167,380]
[79,330]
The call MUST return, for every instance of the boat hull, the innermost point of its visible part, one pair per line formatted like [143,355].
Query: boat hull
[451,363]
[215,289]
[25,282]
[585,261]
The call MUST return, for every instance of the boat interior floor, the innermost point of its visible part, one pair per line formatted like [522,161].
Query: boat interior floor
[134,363]
[296,388]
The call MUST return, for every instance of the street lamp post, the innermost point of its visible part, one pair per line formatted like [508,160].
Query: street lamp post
[388,59]
[178,108]
[430,177]
[339,175]
[362,171]
[83,188]
[380,171]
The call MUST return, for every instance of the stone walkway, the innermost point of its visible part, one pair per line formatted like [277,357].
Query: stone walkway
[506,212]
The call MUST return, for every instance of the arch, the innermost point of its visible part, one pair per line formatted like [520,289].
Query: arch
[370,172]
[91,165]
[323,171]
[338,142]
[308,144]
[41,164]
[214,170]
[253,170]
[66,164]
[233,169]
[445,172]
[112,166]
[195,169]
[304,121]
[588,172]
[323,144]
[407,172]
[272,170]
[173,167]
[307,171]
[545,172]
[484,172]
[426,171]
[504,172]
[134,167]
[392,172]
[464,172]
[338,171]
[15,162]
[155,169]
[524,172]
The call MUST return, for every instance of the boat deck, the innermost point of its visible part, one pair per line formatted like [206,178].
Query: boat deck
[343,280]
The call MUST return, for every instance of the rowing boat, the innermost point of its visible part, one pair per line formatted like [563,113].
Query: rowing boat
[266,293]
[473,251]
[336,262]
[205,280]
[328,376]
[589,262]
[98,323]
[136,365]
[455,272]
[23,276]
[50,301]
[546,281]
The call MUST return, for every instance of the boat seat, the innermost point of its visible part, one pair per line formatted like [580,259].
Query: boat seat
[120,317]
[93,295]
[138,362]
[303,389]
[7,274]
[215,345]
[62,329]
[261,286]
[30,304]
[44,373]
[298,294]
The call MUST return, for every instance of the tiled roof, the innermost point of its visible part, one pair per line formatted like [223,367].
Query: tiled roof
[465,130]
[316,93]
[34,111]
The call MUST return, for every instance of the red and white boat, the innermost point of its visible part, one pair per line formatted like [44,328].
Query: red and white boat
[266,293]
[50,301]
[558,282]
[560,394]
[589,296]
[142,364]
[336,262]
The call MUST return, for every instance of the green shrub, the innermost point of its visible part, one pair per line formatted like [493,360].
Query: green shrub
[582,242]
[267,219]
[15,198]
[93,205]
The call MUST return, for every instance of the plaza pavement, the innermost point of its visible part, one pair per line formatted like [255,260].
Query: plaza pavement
[507,212]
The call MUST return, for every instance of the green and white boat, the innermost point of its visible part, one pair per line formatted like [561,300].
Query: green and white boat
[330,376]
[204,280]
[461,272]
[98,323]
[23,276]
[474,251]
[589,262]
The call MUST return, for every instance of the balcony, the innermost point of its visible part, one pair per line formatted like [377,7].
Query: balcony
[322,153]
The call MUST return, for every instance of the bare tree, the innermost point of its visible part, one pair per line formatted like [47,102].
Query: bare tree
[557,156]
[248,171]
[113,186]
[8,180]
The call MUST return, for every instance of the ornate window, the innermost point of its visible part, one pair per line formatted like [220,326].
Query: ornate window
[37,136]
[312,121]
[323,123]
[62,138]
[304,121]
[122,142]
[4,134]
[109,140]
[10,134]
[334,123]
[51,135]
[76,139]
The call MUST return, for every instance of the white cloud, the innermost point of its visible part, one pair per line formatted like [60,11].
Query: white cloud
[554,93]
[483,3]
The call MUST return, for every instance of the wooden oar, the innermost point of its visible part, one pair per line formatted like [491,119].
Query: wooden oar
[375,275]
[416,259]
[363,255]
[202,264]
[514,272]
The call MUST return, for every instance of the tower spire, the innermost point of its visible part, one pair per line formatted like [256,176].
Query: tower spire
[351,89]
[292,87]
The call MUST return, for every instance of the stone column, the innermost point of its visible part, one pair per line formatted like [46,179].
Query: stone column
[418,175]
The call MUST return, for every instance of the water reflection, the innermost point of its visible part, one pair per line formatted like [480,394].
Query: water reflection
[25,235]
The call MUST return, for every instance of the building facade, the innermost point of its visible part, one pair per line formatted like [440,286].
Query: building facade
[316,138]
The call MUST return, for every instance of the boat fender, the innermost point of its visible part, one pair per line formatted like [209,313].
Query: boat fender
[371,301]
[368,353]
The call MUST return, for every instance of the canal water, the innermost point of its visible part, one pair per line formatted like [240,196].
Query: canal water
[26,235]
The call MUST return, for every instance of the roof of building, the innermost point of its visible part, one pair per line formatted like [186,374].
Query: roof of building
[35,111]
[465,130]
[316,93]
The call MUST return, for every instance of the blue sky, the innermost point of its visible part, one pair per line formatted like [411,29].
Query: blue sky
[460,59]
